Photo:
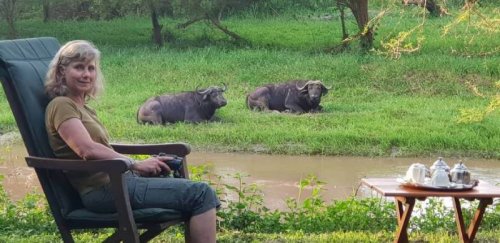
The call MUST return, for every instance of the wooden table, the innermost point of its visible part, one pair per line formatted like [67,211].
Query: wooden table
[405,200]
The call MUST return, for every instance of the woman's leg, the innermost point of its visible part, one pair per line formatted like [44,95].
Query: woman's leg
[193,198]
[202,227]
[189,197]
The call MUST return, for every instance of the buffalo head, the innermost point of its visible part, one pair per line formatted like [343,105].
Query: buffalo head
[314,89]
[213,95]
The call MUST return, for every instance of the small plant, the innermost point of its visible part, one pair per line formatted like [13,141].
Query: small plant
[247,210]
[25,217]
[308,214]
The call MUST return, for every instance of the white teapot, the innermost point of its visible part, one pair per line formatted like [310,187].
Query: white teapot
[440,178]
[416,173]
[440,164]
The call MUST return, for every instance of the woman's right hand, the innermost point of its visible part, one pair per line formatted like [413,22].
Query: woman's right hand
[151,167]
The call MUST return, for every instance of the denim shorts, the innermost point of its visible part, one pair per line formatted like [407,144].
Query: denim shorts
[189,197]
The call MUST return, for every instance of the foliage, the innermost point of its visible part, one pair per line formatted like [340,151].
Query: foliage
[479,114]
[109,9]
[244,213]
[394,47]
[9,12]
[25,217]
[244,218]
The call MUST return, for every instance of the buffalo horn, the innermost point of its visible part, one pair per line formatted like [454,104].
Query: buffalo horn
[201,91]
[307,83]
[224,87]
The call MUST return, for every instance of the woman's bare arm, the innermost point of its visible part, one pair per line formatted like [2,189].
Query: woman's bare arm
[78,139]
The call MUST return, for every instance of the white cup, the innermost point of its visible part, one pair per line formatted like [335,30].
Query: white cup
[416,173]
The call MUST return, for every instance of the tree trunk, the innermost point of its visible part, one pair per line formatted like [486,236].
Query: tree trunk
[345,35]
[431,6]
[8,10]
[189,22]
[157,37]
[359,9]
[469,4]
[46,10]
[217,24]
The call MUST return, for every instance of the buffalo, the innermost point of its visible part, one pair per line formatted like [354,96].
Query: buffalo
[192,106]
[297,96]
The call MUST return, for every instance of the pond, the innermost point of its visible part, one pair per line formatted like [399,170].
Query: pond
[276,175]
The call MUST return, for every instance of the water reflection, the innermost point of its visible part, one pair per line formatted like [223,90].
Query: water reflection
[278,176]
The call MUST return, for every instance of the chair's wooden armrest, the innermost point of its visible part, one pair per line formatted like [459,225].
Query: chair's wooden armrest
[117,165]
[179,149]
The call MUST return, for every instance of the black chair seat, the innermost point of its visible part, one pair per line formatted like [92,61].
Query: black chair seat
[146,215]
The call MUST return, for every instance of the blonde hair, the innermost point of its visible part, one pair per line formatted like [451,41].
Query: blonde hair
[77,50]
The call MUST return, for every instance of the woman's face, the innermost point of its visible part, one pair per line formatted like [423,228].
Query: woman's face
[80,77]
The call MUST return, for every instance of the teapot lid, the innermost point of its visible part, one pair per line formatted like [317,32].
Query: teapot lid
[460,166]
[440,162]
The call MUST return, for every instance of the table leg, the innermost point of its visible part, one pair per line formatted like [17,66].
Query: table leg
[404,208]
[470,234]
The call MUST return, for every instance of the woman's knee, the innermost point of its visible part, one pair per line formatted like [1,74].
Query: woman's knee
[205,198]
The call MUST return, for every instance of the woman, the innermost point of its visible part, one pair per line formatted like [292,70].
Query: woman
[75,132]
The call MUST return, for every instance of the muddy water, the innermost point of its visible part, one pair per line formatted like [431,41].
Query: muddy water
[277,176]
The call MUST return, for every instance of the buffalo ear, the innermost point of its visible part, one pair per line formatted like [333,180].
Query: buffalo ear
[205,97]
[304,91]
[324,90]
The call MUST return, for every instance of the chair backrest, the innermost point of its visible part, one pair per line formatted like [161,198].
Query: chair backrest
[23,66]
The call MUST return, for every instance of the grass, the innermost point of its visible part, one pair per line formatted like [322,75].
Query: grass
[234,237]
[378,106]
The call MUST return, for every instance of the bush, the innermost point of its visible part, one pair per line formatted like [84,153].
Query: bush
[246,214]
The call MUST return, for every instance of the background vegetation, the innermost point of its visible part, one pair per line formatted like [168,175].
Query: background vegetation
[404,98]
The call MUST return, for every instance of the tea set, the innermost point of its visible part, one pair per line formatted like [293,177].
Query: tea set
[439,175]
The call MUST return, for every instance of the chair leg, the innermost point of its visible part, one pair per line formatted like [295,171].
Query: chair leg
[187,234]
[65,234]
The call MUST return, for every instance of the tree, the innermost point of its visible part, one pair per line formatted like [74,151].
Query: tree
[359,9]
[8,10]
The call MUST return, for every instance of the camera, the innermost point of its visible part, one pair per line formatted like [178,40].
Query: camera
[174,164]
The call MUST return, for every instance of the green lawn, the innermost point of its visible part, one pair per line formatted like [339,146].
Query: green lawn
[378,105]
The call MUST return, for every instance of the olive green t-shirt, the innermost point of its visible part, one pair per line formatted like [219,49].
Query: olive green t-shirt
[61,109]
